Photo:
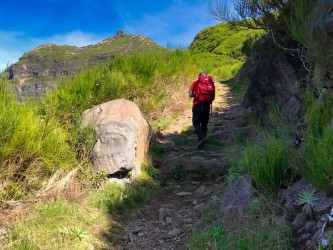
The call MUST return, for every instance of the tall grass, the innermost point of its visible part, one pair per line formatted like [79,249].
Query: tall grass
[148,79]
[39,137]
[318,113]
[32,146]
[298,21]
[315,158]
[267,164]
[318,160]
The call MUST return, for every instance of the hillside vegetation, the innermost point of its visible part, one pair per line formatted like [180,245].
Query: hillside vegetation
[43,136]
[150,79]
[28,151]
[224,49]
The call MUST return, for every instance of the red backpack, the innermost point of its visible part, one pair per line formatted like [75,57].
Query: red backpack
[206,89]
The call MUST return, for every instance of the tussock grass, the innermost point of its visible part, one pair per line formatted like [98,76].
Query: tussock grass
[317,167]
[318,113]
[313,160]
[32,147]
[306,24]
[299,20]
[267,164]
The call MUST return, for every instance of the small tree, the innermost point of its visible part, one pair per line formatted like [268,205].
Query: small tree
[254,14]
[292,18]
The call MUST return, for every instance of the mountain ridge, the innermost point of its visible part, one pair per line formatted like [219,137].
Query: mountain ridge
[42,68]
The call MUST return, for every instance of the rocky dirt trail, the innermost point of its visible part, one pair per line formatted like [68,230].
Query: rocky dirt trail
[169,220]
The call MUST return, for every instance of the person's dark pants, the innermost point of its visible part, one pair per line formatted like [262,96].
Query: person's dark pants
[200,118]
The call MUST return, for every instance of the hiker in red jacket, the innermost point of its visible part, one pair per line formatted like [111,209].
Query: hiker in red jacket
[203,91]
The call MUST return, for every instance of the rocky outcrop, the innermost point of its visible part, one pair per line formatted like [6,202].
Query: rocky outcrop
[36,77]
[236,199]
[329,16]
[123,133]
[311,218]
[277,75]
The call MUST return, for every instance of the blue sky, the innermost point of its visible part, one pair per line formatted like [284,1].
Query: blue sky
[26,24]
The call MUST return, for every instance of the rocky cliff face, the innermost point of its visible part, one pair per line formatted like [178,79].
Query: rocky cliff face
[279,68]
[43,68]
[275,74]
[35,77]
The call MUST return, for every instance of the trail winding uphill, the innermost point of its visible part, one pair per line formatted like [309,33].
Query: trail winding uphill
[197,178]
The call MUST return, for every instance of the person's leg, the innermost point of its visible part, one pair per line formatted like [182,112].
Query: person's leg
[196,121]
[205,118]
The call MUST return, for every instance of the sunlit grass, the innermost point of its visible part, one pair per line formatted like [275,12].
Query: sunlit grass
[57,225]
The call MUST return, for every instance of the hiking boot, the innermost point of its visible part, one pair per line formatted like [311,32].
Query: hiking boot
[201,143]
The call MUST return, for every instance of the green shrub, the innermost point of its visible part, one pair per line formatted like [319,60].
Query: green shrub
[298,21]
[313,160]
[319,113]
[32,146]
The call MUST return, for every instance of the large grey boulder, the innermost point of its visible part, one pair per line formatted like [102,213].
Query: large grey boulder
[114,150]
[236,199]
[116,132]
[275,75]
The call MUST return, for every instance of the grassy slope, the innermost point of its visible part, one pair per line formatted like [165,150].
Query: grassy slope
[221,50]
[141,78]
